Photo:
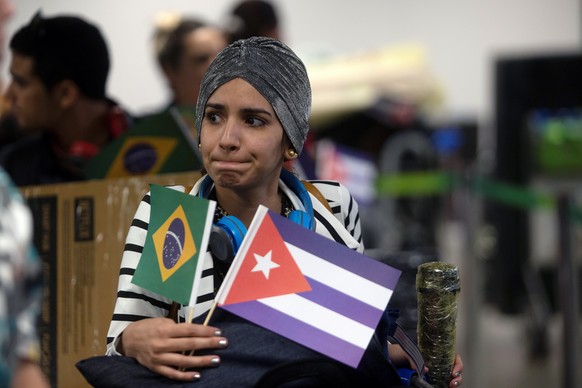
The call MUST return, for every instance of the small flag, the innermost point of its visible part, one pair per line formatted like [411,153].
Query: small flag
[172,258]
[156,145]
[355,169]
[307,288]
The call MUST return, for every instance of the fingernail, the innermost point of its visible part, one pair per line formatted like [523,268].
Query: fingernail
[456,383]
[196,376]
[457,374]
[215,361]
[217,333]
[223,342]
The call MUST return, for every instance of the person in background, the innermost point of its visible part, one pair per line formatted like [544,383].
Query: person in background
[9,131]
[254,18]
[20,292]
[20,280]
[184,47]
[59,70]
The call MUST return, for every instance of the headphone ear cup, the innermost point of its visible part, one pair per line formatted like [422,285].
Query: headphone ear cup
[226,237]
[301,218]
[83,150]
[221,244]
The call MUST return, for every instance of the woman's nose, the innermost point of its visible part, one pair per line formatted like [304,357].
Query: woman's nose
[230,137]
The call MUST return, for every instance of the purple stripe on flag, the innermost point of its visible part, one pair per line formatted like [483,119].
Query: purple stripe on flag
[336,253]
[298,331]
[342,304]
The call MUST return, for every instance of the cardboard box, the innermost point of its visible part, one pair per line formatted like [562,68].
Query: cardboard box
[80,231]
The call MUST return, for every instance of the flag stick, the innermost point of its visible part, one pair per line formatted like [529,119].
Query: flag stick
[208,316]
[190,318]
[210,312]
[190,315]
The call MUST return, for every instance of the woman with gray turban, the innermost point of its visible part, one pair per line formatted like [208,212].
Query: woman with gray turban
[254,106]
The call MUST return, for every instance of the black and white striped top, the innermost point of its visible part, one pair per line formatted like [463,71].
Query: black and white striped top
[135,303]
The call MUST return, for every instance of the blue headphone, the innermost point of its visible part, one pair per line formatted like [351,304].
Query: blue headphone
[228,233]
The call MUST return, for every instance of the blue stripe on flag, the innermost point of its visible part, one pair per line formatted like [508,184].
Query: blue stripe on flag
[338,254]
[298,331]
[342,304]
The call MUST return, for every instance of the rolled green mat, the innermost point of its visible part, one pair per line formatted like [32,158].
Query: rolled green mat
[437,288]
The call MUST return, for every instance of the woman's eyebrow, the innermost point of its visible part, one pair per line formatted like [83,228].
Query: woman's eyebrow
[256,111]
[246,111]
[215,105]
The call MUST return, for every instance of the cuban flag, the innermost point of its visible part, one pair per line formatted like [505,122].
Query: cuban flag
[307,288]
[355,169]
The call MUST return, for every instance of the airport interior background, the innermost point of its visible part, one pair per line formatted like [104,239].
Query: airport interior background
[457,125]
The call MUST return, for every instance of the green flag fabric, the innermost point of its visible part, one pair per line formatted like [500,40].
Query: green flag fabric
[157,144]
[172,258]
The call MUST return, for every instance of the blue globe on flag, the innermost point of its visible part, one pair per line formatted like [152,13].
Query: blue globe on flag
[173,243]
[140,158]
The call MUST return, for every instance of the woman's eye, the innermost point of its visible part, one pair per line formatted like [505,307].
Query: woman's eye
[255,122]
[212,117]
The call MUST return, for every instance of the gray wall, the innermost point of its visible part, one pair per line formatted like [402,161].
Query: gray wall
[461,37]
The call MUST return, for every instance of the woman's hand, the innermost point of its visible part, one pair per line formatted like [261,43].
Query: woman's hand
[457,373]
[169,349]
[400,359]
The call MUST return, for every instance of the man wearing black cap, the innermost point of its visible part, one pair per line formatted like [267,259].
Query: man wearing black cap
[59,71]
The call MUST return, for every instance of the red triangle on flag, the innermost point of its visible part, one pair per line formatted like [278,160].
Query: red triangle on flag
[268,268]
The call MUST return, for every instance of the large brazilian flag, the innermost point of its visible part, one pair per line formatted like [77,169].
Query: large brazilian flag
[157,144]
[172,259]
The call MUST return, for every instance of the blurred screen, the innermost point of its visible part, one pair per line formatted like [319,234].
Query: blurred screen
[557,141]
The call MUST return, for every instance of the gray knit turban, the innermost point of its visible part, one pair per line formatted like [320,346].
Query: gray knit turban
[271,68]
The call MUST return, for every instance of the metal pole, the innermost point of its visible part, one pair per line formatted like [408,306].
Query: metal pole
[567,273]
[471,289]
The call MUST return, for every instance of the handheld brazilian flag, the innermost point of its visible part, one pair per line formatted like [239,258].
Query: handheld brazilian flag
[172,258]
[158,144]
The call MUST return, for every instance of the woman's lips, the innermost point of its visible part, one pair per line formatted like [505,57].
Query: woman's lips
[228,164]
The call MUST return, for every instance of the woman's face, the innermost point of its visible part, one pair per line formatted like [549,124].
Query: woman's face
[241,138]
[200,48]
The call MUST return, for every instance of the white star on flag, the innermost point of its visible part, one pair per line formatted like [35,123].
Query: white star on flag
[264,264]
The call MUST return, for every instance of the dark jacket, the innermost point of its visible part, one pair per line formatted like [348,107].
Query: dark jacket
[33,160]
